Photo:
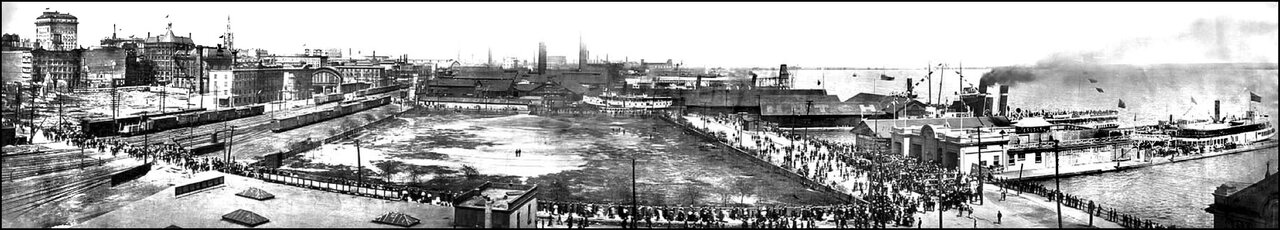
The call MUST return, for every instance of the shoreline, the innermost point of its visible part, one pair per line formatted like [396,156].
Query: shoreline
[1098,168]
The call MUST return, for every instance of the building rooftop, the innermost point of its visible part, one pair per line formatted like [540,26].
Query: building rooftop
[292,207]
[56,15]
[883,128]
[503,196]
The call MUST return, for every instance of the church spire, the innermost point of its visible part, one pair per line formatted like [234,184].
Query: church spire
[228,38]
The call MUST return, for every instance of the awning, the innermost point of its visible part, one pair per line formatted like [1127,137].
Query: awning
[246,218]
[256,194]
[397,219]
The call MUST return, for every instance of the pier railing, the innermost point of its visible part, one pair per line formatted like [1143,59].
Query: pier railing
[477,100]
[1068,143]
[1088,206]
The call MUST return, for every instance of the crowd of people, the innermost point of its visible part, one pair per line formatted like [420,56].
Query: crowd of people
[890,188]
[1019,113]
[582,215]
[1109,214]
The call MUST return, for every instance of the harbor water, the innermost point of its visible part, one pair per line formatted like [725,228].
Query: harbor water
[1173,194]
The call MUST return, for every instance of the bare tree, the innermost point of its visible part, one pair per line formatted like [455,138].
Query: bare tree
[470,171]
[743,187]
[691,194]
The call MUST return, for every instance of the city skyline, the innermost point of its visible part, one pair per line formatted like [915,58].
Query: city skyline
[708,34]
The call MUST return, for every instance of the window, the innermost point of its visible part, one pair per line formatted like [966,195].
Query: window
[1011,160]
[1038,157]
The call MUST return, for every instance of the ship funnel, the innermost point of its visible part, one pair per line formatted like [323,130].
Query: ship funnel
[1217,111]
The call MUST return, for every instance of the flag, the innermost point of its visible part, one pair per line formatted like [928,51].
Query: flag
[166,16]
[1254,97]
[1193,101]
[1099,90]
[1121,103]
[1091,80]
[819,82]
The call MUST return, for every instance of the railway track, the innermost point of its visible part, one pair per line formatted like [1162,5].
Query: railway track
[50,189]
[15,169]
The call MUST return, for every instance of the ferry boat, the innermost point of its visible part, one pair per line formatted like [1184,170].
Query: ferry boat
[614,101]
[1215,133]
[1219,134]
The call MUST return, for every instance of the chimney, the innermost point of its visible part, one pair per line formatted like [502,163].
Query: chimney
[909,87]
[1004,100]
[1217,110]
[542,58]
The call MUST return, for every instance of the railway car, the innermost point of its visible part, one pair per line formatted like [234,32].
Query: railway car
[225,114]
[325,114]
[189,119]
[131,129]
[100,127]
[206,117]
[257,110]
[242,111]
[283,124]
[164,122]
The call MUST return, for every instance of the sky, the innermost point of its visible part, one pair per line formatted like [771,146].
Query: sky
[728,34]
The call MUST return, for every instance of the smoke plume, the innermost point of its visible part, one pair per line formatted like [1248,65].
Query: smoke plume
[1005,76]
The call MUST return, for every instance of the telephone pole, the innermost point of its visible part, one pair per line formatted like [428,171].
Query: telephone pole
[1057,181]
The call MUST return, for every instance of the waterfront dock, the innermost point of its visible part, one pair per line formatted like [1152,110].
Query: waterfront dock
[1096,168]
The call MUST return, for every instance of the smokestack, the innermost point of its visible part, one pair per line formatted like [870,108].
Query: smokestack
[542,58]
[582,54]
[1004,100]
[783,75]
[1217,111]
[909,87]
[698,84]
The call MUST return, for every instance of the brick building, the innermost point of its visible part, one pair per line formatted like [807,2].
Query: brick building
[56,31]
[59,70]
[175,59]
[267,84]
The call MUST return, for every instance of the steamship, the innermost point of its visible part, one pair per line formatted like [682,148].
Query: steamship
[1217,132]
[614,101]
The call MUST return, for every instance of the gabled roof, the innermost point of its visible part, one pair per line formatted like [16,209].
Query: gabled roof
[573,86]
[494,85]
[450,82]
[397,219]
[256,194]
[1032,122]
[527,87]
[883,127]
[246,218]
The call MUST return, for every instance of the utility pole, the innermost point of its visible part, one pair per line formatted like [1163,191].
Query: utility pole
[359,175]
[807,105]
[232,137]
[634,202]
[1057,181]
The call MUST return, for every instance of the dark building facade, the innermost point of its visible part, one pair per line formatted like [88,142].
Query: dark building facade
[175,60]
[60,70]
[105,65]
[1241,205]
[251,86]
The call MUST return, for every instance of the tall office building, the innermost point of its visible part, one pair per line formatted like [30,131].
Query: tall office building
[56,31]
